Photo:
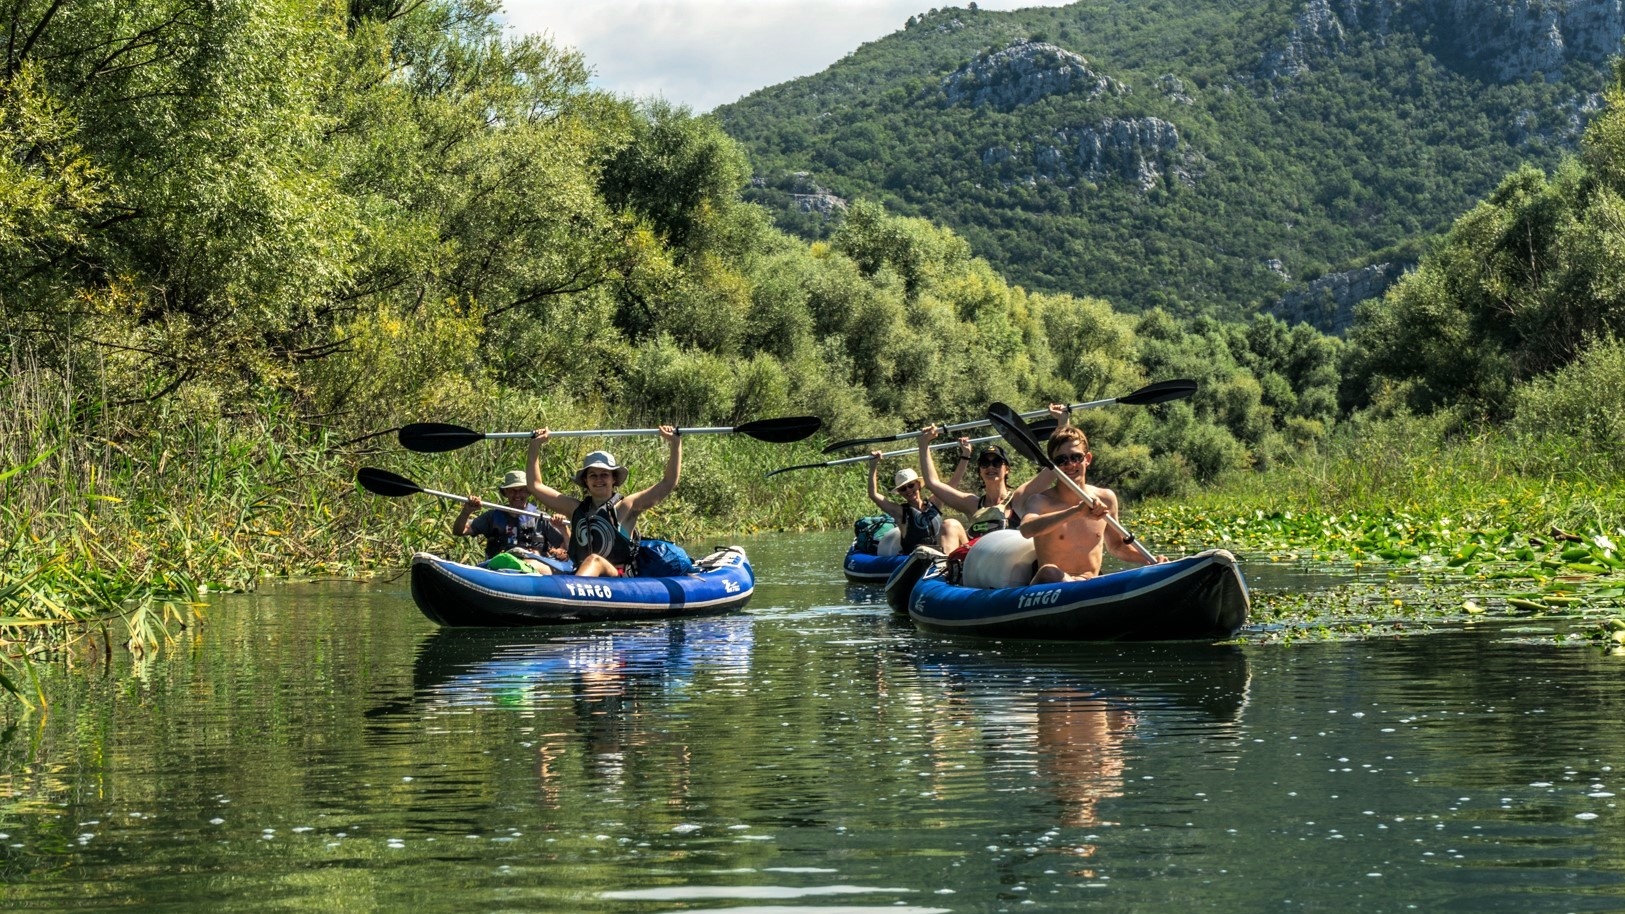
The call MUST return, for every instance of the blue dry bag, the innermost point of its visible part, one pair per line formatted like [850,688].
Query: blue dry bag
[662,559]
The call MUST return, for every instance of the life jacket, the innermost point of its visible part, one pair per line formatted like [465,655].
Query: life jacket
[504,531]
[920,527]
[597,531]
[988,518]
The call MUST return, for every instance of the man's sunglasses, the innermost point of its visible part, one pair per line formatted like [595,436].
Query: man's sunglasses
[1066,460]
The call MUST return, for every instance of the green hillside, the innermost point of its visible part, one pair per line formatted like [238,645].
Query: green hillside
[1304,145]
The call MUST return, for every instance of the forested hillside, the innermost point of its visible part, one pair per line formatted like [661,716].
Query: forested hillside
[1205,156]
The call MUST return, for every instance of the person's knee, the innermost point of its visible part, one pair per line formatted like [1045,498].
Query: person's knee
[1048,574]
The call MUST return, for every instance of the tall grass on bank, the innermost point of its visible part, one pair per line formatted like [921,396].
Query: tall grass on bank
[1408,470]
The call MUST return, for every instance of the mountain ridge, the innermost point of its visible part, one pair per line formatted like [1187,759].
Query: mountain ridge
[1206,157]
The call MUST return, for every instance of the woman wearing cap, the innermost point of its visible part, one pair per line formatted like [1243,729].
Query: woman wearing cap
[504,531]
[603,523]
[921,521]
[998,507]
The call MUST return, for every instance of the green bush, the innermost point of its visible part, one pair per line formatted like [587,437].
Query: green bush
[1584,401]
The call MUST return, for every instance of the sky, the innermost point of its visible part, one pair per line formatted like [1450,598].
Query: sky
[704,53]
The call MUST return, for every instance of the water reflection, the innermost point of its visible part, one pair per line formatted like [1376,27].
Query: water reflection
[1062,720]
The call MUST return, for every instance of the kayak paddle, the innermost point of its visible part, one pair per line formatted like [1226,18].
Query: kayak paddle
[1038,428]
[436,437]
[1160,392]
[387,484]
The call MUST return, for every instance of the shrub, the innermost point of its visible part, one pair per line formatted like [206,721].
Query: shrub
[1583,401]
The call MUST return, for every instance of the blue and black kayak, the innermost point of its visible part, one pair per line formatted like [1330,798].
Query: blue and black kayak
[453,594]
[867,568]
[1201,597]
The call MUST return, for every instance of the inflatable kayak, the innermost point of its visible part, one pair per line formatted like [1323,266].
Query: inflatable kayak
[873,555]
[1200,597]
[863,568]
[453,594]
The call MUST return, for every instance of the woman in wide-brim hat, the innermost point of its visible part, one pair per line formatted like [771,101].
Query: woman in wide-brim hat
[603,522]
[997,506]
[918,519]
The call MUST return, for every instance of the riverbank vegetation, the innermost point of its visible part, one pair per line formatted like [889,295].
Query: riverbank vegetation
[241,243]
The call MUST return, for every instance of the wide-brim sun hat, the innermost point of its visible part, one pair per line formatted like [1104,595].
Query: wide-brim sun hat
[903,478]
[513,479]
[600,460]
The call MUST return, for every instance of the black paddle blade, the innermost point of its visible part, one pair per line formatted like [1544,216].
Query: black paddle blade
[781,431]
[1160,392]
[803,466]
[383,482]
[1008,423]
[437,437]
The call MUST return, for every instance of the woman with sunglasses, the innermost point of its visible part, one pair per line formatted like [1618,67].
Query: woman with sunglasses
[920,521]
[1069,534]
[997,506]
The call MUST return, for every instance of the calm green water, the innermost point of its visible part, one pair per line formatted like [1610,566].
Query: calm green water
[323,747]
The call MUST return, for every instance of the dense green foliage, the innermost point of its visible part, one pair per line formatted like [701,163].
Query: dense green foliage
[1519,288]
[241,242]
[1378,144]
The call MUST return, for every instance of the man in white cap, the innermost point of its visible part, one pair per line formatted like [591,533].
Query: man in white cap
[921,521]
[603,523]
[504,531]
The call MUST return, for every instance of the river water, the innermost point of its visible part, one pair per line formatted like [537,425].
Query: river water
[322,747]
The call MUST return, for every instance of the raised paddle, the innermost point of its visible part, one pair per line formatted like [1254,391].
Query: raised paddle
[436,437]
[387,484]
[1013,430]
[1160,392]
[1038,428]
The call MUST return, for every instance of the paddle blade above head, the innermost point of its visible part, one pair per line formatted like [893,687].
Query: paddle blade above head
[383,482]
[781,431]
[1008,423]
[1160,392]
[437,437]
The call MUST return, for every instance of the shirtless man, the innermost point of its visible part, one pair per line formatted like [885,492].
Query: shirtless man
[1068,534]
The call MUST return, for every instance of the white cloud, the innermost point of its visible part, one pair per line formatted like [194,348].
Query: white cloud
[704,53]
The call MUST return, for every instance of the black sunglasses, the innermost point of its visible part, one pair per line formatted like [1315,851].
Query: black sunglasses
[991,462]
[1066,460]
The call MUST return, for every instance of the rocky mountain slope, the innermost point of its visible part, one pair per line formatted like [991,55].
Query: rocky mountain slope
[1208,156]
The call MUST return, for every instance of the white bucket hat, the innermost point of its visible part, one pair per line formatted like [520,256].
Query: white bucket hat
[513,479]
[600,460]
[903,478]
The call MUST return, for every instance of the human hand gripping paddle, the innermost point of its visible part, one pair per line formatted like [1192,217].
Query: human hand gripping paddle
[1160,392]
[1009,424]
[387,484]
[1038,428]
[437,437]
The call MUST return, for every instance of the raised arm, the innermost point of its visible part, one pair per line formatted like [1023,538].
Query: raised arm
[892,509]
[459,525]
[546,494]
[944,494]
[639,502]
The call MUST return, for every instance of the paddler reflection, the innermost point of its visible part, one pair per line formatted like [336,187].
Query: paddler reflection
[1081,756]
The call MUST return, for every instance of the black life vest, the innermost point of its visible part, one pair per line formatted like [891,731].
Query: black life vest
[597,531]
[920,528]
